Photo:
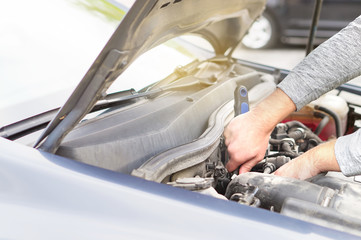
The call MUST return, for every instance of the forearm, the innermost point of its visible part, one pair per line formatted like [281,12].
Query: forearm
[323,157]
[273,109]
[343,154]
[319,159]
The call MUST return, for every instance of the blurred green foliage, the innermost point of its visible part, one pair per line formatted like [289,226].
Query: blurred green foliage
[103,8]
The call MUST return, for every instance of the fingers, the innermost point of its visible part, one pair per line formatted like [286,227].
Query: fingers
[243,156]
[246,161]
[227,137]
[236,157]
[245,146]
[231,166]
[298,168]
[279,172]
[247,166]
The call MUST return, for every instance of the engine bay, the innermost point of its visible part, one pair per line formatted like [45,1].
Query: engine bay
[146,137]
[328,199]
[172,133]
[151,162]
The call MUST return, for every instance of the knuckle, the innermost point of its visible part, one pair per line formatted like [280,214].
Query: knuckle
[231,148]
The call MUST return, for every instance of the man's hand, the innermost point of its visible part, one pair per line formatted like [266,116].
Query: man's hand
[319,159]
[247,135]
[246,142]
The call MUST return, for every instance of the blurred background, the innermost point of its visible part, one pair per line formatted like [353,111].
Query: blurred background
[279,36]
[46,47]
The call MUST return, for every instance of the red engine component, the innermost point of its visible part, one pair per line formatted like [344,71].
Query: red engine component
[307,116]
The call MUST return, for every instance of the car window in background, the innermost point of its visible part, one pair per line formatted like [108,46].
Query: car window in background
[46,47]
[279,37]
[290,22]
[297,15]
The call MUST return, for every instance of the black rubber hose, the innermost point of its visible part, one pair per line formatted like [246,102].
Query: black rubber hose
[311,135]
[287,154]
[334,116]
[292,124]
[275,141]
[322,125]
[307,134]
[297,134]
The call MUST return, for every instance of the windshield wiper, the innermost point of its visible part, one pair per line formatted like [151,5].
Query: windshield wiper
[114,99]
[35,123]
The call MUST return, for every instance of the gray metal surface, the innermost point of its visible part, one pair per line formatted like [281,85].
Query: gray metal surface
[123,139]
[148,24]
[190,154]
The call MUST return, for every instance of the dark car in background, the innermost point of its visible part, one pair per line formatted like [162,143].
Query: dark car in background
[289,22]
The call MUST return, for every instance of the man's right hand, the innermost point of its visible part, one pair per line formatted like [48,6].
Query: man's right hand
[247,135]
[246,142]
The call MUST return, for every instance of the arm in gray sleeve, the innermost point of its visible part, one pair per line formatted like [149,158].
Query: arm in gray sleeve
[334,62]
[348,153]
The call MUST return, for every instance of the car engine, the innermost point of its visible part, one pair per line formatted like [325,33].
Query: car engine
[172,133]
[328,199]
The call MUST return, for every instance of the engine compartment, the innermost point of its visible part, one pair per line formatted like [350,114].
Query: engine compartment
[172,134]
[328,199]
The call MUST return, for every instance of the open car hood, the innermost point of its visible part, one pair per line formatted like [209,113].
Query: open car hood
[148,24]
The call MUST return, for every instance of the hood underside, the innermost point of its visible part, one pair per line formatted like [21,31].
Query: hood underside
[148,24]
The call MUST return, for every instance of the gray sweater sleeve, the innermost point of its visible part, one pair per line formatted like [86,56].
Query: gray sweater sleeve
[334,62]
[348,153]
